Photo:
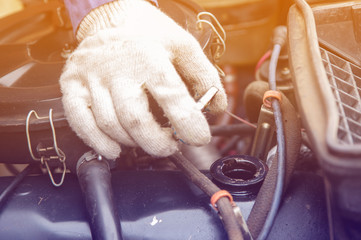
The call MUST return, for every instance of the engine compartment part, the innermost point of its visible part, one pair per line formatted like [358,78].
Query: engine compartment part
[338,29]
[344,78]
[147,195]
[293,141]
[324,102]
[14,184]
[236,228]
[153,205]
[95,182]
[241,175]
[248,24]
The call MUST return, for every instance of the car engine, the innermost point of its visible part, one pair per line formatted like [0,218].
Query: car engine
[283,162]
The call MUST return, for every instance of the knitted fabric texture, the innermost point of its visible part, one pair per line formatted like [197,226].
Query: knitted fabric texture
[129,49]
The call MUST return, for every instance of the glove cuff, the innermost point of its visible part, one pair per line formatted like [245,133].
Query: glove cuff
[106,16]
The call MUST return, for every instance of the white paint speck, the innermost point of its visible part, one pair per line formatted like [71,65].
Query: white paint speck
[155,221]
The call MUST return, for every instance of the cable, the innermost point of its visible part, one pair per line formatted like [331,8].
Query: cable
[263,59]
[273,67]
[16,181]
[240,119]
[277,197]
[234,230]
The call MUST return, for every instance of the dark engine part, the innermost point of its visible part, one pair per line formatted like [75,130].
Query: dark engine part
[95,182]
[152,205]
[241,175]
[328,91]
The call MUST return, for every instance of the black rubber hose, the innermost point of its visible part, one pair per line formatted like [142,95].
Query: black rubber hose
[16,181]
[225,209]
[292,130]
[95,182]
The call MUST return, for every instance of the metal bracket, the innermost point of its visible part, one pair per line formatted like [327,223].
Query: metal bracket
[60,155]
[264,133]
[241,221]
[87,157]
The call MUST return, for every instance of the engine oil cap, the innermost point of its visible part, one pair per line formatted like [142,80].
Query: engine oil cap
[241,175]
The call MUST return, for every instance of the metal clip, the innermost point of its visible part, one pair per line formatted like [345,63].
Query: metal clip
[60,155]
[241,221]
[220,39]
[87,157]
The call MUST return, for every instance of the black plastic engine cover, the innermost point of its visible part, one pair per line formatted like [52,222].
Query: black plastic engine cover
[152,205]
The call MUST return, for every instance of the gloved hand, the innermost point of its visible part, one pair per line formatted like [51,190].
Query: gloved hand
[127,49]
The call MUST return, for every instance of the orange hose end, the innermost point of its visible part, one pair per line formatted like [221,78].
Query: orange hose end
[222,193]
[271,94]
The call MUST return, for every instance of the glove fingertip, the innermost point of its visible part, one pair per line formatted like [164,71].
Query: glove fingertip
[164,150]
[202,139]
[219,103]
[163,145]
[111,151]
[193,130]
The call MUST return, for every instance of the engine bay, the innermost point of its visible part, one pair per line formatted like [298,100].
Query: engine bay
[286,151]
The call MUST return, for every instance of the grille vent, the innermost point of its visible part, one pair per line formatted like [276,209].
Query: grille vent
[345,81]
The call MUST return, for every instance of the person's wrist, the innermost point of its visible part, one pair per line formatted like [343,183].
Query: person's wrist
[99,18]
[106,16]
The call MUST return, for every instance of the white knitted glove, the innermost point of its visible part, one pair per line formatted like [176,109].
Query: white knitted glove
[129,48]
